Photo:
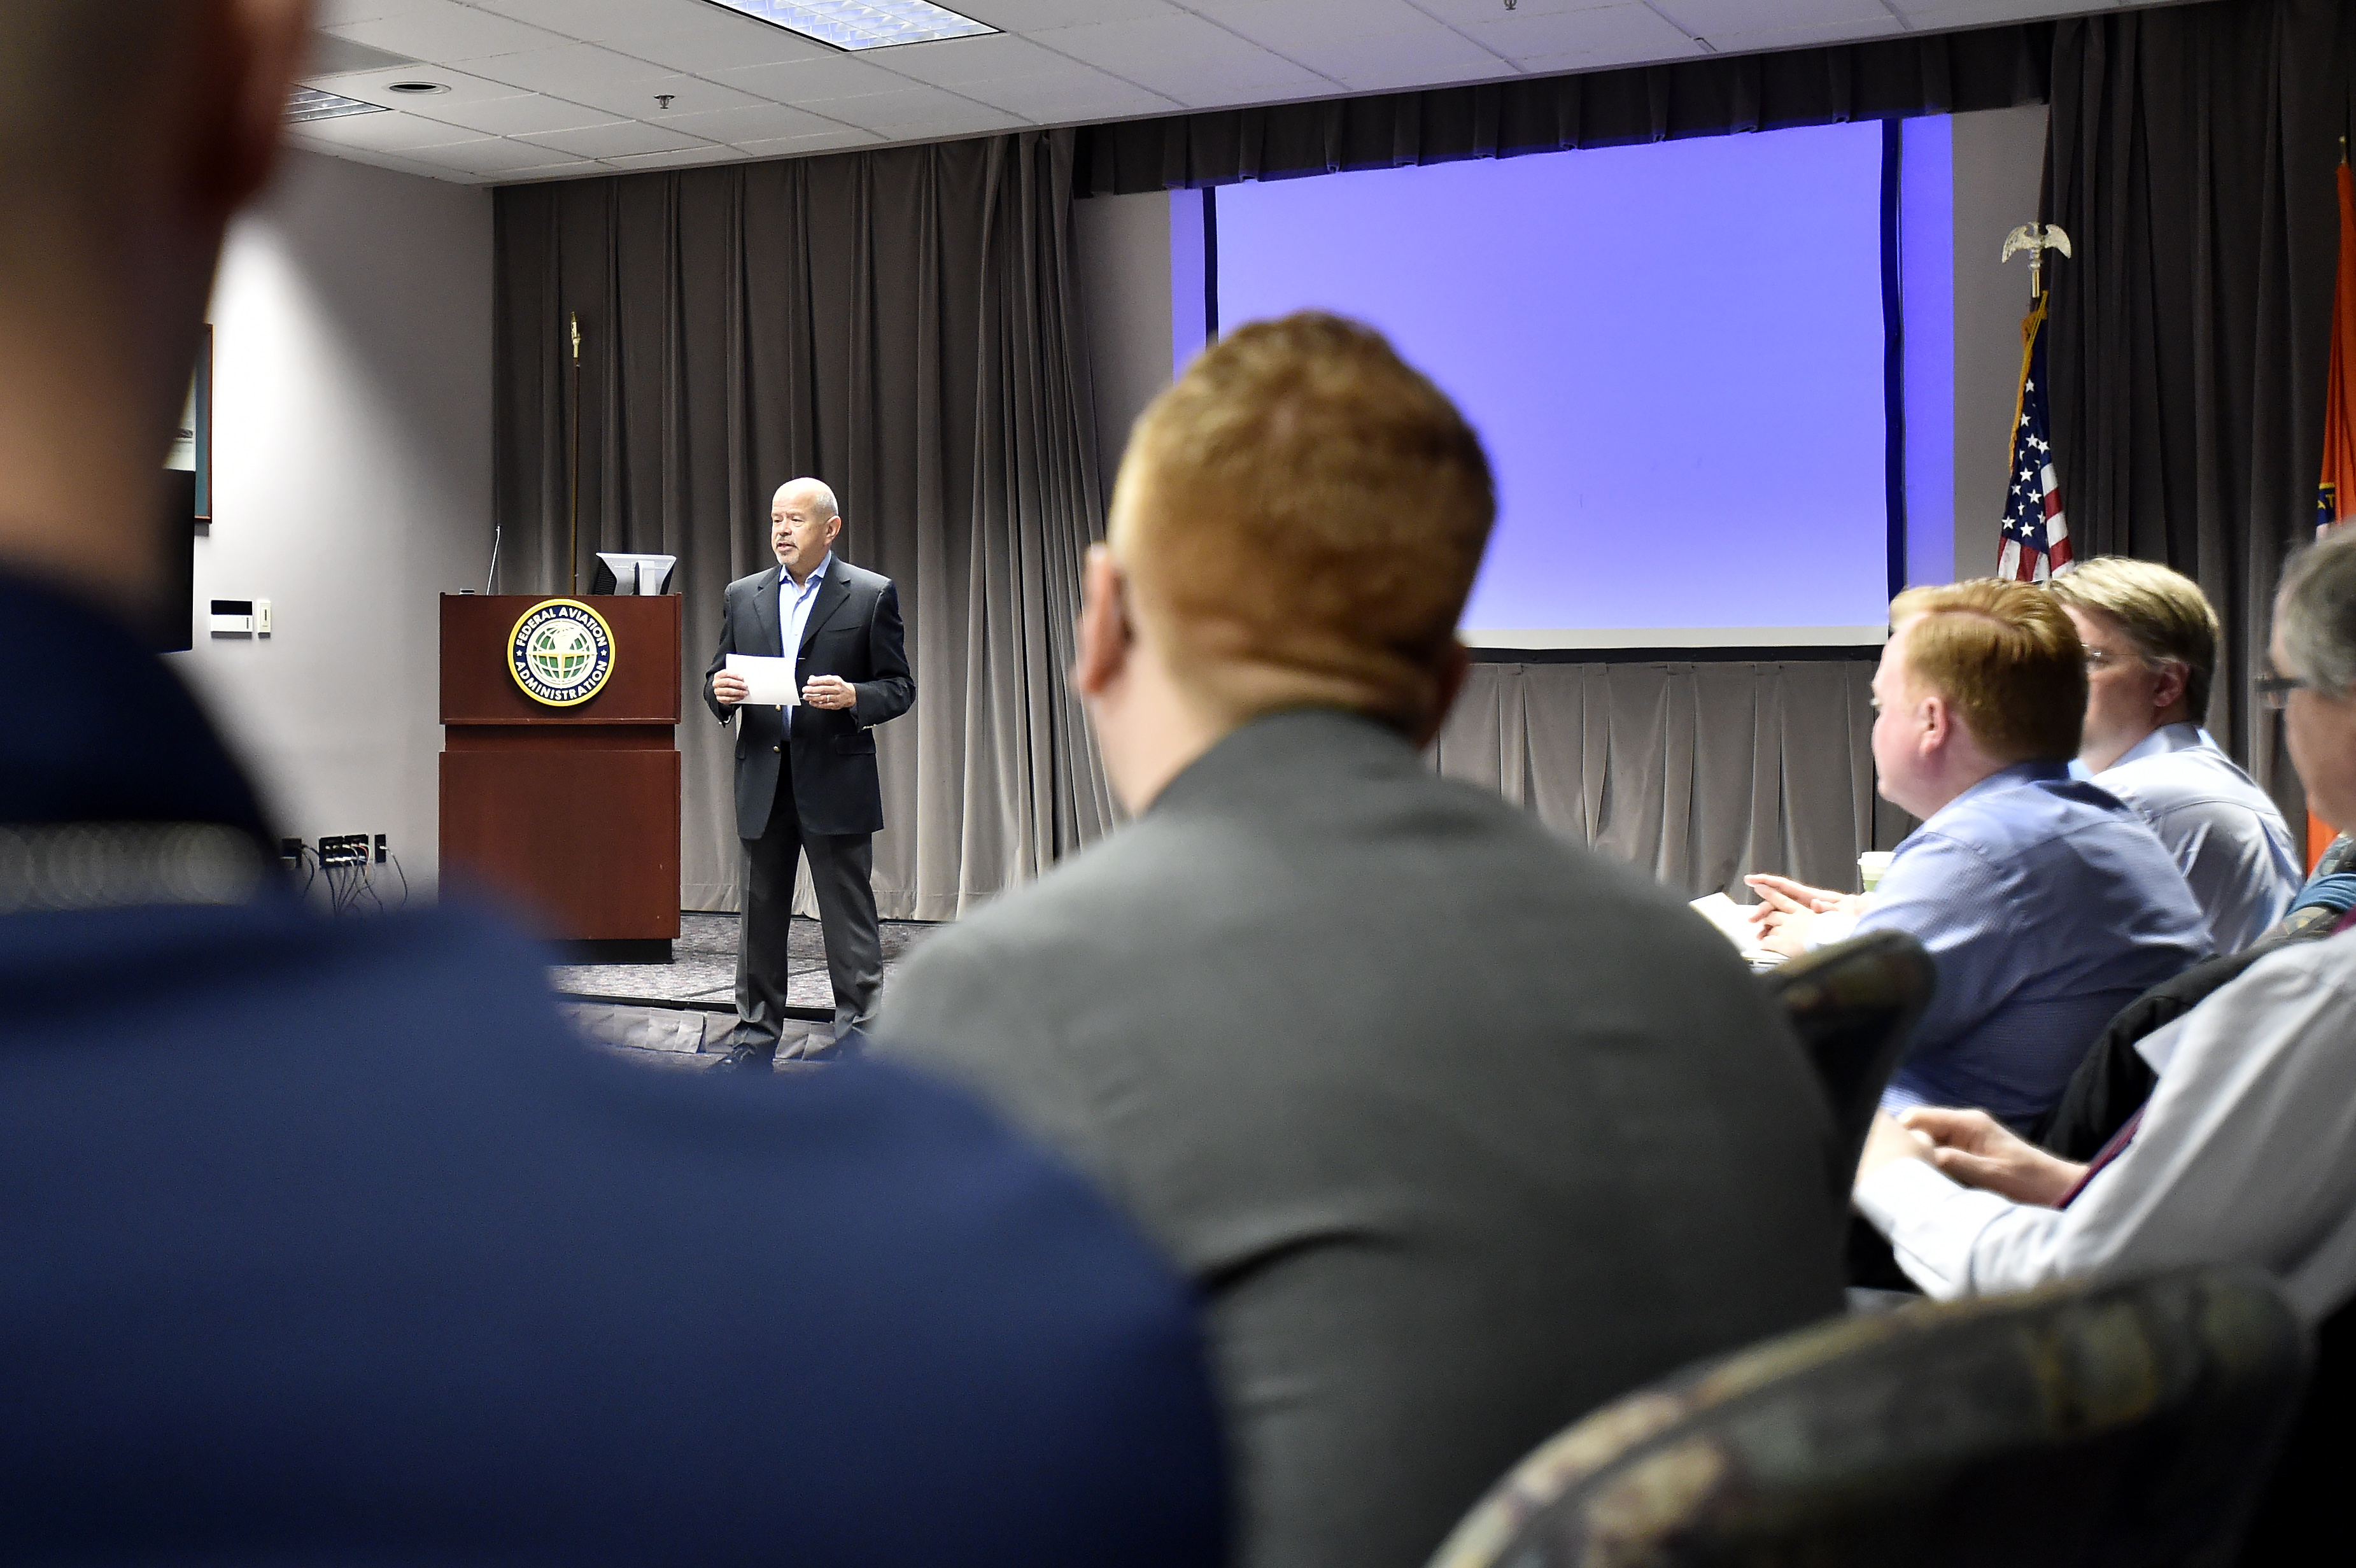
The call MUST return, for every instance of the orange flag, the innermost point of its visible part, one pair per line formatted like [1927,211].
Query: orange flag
[2335,497]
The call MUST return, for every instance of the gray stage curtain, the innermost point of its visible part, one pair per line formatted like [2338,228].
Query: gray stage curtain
[903,323]
[1693,773]
[2190,158]
[1916,73]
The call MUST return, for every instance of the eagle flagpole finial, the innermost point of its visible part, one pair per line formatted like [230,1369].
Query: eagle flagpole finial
[2036,242]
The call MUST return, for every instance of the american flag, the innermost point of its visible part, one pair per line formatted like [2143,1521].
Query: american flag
[2036,536]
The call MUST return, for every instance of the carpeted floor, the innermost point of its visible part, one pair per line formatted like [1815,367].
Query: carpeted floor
[702,971]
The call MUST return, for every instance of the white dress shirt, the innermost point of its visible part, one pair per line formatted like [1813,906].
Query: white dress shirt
[2224,833]
[794,611]
[2246,1154]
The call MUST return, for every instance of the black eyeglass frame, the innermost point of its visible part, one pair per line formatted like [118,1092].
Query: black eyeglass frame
[2274,691]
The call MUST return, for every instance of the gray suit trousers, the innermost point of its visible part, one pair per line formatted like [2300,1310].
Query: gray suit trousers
[842,872]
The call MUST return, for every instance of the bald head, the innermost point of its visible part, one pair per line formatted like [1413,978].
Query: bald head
[803,522]
[131,131]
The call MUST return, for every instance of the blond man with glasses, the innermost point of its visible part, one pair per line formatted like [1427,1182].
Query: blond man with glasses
[2151,642]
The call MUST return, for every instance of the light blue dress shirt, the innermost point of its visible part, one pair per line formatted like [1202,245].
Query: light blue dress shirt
[2225,835]
[2047,906]
[794,610]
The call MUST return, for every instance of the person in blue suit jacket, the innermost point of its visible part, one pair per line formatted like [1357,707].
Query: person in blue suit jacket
[323,1240]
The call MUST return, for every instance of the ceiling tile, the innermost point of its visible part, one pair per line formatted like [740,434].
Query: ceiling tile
[1086,95]
[677,157]
[1300,22]
[1030,16]
[1480,13]
[332,54]
[376,87]
[1184,57]
[688,94]
[972,120]
[813,80]
[594,20]
[389,132]
[907,105]
[497,157]
[754,123]
[572,170]
[1381,42]
[1979,13]
[953,62]
[1389,58]
[712,39]
[342,13]
[617,140]
[1566,41]
[1817,33]
[793,146]
[1711,17]
[566,71]
[524,114]
[413,164]
[447,31]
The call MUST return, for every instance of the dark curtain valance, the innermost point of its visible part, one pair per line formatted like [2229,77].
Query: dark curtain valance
[2190,159]
[903,323]
[1940,73]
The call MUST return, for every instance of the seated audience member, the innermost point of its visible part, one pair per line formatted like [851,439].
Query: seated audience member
[2046,903]
[2246,1150]
[2151,651]
[324,1241]
[1462,1129]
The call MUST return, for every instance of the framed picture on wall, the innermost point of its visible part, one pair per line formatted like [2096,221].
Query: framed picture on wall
[192,445]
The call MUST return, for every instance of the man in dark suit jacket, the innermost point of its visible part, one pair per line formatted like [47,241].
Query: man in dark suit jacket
[322,1240]
[806,776]
[1461,1129]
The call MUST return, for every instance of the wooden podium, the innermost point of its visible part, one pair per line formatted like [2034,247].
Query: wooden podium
[571,813]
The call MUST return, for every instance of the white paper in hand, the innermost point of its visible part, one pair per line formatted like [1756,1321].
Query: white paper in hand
[1733,921]
[768,681]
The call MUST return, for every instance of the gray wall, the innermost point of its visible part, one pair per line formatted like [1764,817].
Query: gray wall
[1123,246]
[352,469]
[1999,160]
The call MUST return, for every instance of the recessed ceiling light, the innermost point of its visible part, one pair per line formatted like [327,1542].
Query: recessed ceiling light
[862,24]
[419,87]
[309,103]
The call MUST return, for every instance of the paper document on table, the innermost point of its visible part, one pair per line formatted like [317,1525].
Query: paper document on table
[768,681]
[1734,922]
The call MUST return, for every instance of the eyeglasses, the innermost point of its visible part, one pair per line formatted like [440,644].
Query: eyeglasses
[2274,691]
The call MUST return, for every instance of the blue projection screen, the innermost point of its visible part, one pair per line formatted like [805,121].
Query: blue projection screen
[1673,353]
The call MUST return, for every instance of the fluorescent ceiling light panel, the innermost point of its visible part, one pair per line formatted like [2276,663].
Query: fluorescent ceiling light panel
[306,104]
[862,24]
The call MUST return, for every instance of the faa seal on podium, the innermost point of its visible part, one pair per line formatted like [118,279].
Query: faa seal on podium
[560,653]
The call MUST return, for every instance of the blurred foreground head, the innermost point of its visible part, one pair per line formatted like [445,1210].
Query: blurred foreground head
[2315,644]
[1299,520]
[131,131]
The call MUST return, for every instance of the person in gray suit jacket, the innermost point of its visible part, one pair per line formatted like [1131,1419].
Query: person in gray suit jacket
[806,776]
[1461,1129]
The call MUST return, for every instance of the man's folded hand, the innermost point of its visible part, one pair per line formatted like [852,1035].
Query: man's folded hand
[1976,1149]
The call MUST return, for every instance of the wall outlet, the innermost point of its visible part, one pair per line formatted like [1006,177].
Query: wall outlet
[379,849]
[342,849]
[261,617]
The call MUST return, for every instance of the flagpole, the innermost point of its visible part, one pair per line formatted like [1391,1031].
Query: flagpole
[573,544]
